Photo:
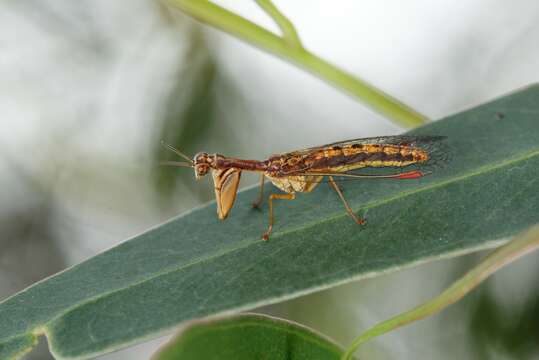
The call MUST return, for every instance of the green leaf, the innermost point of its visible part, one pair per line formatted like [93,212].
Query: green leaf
[247,337]
[195,265]
[16,347]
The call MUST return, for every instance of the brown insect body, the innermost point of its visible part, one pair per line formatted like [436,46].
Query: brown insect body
[348,157]
[295,183]
[303,170]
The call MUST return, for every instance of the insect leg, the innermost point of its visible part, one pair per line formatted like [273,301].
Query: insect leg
[290,196]
[334,185]
[258,202]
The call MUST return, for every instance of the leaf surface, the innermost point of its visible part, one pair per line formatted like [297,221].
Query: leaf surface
[194,265]
[247,337]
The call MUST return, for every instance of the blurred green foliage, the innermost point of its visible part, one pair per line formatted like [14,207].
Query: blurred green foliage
[513,332]
[189,114]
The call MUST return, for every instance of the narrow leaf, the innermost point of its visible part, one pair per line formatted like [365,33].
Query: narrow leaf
[195,266]
[247,337]
[16,347]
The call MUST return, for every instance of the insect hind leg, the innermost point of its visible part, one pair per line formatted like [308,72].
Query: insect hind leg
[334,185]
[290,196]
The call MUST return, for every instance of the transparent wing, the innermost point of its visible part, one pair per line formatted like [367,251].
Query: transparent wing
[424,142]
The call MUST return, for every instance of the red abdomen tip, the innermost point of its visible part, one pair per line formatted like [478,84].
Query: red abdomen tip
[410,175]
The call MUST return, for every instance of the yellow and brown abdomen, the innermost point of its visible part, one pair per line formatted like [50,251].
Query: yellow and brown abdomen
[350,157]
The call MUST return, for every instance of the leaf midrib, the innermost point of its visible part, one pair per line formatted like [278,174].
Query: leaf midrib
[39,330]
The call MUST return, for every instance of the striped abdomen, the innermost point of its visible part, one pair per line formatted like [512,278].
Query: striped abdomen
[353,156]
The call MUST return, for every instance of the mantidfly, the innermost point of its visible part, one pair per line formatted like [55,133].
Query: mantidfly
[300,171]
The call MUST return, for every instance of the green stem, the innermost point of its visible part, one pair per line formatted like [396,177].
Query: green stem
[216,16]
[290,34]
[520,246]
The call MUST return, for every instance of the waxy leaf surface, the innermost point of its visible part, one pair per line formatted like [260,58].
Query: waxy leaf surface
[248,337]
[194,265]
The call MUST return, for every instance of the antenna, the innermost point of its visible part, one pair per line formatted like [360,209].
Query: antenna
[177,152]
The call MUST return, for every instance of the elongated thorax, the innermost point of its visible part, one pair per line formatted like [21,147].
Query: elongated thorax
[222,162]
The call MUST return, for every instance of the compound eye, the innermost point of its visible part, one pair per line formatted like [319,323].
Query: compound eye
[201,170]
[201,157]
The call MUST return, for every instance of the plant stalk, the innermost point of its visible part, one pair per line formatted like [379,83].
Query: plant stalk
[504,255]
[287,48]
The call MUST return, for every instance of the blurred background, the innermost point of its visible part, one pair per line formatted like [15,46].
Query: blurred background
[89,88]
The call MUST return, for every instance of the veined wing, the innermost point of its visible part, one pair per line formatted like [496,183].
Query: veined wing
[421,141]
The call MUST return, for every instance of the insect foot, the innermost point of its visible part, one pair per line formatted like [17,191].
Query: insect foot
[360,221]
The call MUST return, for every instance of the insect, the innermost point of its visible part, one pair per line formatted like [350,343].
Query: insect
[301,171]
